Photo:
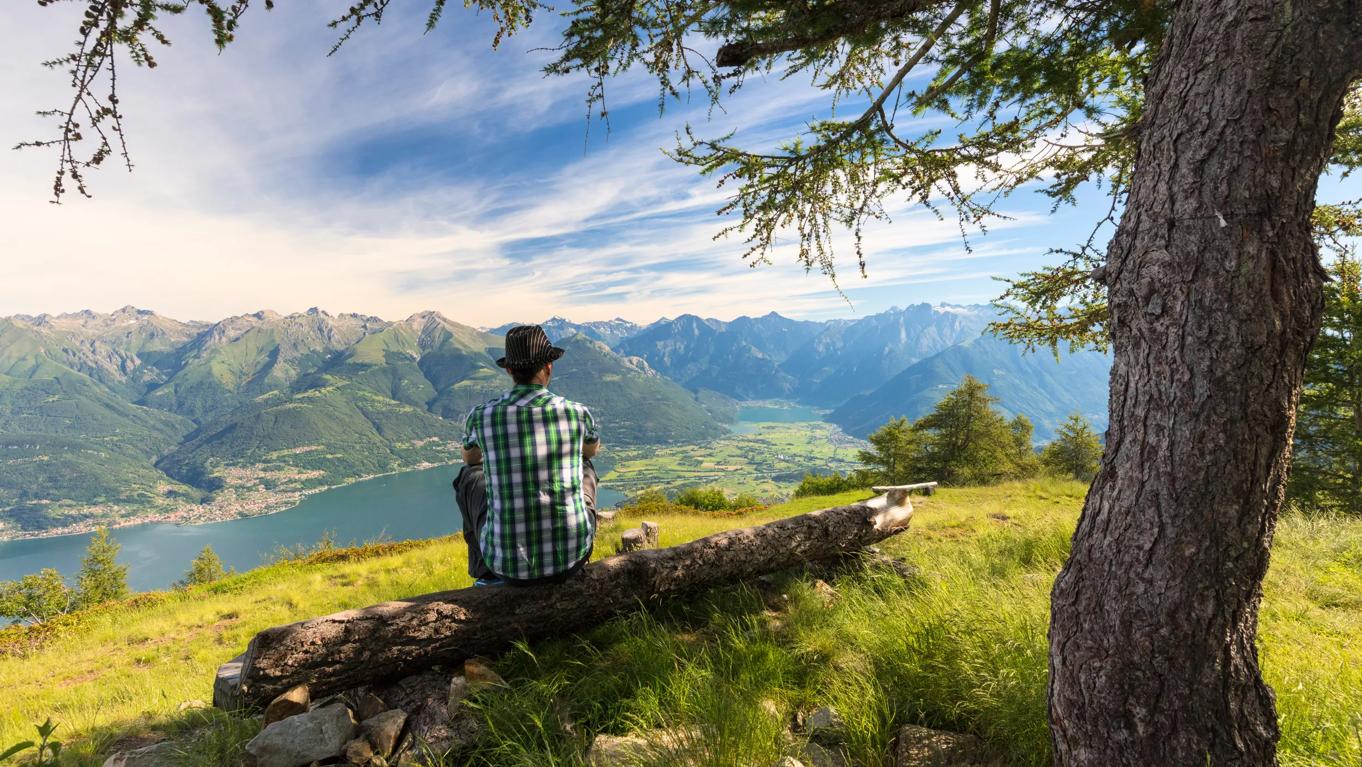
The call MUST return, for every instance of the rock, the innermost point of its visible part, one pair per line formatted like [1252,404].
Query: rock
[818,756]
[303,738]
[921,747]
[384,730]
[369,705]
[289,703]
[789,761]
[227,685]
[651,533]
[771,708]
[605,515]
[458,691]
[632,750]
[163,754]
[190,705]
[617,751]
[632,540]
[359,751]
[825,593]
[825,725]
[480,676]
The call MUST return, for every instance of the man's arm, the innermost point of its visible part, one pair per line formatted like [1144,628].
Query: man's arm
[472,456]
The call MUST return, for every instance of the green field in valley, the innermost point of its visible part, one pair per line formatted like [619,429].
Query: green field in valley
[767,459]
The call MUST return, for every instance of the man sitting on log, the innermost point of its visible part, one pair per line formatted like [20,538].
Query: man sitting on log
[527,491]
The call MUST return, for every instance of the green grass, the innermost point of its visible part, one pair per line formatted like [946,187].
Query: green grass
[960,646]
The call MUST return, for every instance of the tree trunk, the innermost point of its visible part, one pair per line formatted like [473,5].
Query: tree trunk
[393,639]
[1215,298]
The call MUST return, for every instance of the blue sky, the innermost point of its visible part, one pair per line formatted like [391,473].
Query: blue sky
[417,171]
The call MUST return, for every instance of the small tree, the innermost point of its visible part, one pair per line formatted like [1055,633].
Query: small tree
[206,568]
[101,578]
[1326,468]
[967,442]
[1076,450]
[894,452]
[36,597]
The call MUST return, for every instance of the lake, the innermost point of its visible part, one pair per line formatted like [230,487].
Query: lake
[414,504]
[750,415]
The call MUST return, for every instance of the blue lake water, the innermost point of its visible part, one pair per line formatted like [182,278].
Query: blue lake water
[414,504]
[752,414]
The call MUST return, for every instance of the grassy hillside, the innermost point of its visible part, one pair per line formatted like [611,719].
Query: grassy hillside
[961,646]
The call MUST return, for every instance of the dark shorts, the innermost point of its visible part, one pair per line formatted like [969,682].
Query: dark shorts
[470,492]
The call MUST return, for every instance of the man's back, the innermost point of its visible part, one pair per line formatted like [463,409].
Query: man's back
[538,523]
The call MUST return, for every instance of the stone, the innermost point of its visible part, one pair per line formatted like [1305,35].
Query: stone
[384,730]
[163,754]
[480,676]
[825,725]
[634,750]
[369,705]
[227,685]
[651,533]
[190,705]
[632,540]
[617,751]
[359,751]
[605,515]
[789,761]
[825,593]
[921,747]
[288,703]
[819,756]
[458,691]
[303,738]
[772,709]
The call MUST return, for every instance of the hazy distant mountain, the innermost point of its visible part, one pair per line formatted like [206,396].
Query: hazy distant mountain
[851,358]
[740,358]
[822,363]
[1033,384]
[609,332]
[106,415]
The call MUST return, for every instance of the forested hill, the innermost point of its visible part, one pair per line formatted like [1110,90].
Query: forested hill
[108,415]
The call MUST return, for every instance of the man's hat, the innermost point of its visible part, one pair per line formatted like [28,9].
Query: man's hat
[528,346]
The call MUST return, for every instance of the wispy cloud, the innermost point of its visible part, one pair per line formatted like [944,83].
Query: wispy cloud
[418,171]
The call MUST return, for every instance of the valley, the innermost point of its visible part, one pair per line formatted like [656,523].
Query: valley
[131,417]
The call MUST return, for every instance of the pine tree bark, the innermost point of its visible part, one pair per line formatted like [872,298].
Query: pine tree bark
[1215,299]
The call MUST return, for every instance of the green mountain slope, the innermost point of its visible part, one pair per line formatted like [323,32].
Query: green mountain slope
[71,449]
[241,358]
[1035,385]
[631,401]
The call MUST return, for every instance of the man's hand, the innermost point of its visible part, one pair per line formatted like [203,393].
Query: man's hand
[472,456]
[590,449]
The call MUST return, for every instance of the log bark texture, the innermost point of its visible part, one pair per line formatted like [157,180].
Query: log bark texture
[1215,299]
[394,639]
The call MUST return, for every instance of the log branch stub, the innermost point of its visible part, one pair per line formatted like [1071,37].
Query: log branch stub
[394,639]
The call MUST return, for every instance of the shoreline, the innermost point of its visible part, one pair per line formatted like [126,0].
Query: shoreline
[272,502]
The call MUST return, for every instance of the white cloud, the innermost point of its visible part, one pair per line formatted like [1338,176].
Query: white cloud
[241,200]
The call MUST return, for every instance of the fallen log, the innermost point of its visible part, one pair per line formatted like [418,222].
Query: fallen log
[393,639]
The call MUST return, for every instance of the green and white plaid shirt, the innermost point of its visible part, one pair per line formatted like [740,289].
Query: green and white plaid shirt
[531,439]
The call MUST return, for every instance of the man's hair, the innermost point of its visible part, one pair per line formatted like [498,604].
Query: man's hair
[525,374]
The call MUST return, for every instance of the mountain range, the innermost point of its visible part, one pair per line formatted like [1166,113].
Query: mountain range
[130,413]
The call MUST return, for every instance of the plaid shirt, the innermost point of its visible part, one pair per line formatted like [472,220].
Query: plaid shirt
[537,520]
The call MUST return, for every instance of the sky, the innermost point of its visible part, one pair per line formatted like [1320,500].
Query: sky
[420,171]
